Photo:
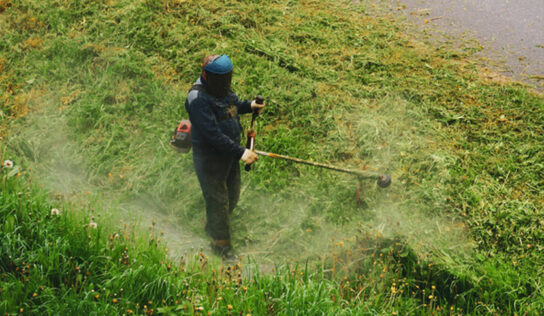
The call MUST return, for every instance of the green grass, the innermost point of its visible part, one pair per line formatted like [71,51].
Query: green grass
[105,82]
[60,264]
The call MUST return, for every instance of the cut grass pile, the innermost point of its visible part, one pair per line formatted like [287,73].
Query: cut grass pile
[342,86]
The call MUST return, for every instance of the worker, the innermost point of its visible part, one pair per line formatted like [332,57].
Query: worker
[215,136]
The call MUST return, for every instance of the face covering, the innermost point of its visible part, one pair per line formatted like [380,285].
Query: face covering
[218,85]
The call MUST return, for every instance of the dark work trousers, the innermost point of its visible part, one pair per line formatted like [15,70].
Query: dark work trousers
[219,177]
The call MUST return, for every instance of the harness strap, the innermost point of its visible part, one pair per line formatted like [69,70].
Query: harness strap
[198,87]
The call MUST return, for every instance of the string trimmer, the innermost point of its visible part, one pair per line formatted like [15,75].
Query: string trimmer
[383,180]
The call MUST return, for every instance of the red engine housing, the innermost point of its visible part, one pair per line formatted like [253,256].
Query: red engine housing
[181,138]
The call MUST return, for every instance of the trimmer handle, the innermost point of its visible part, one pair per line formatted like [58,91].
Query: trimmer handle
[259,99]
[251,133]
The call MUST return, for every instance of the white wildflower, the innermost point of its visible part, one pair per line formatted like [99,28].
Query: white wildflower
[93,225]
[55,211]
[8,164]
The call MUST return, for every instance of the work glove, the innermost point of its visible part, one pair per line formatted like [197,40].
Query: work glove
[249,157]
[257,106]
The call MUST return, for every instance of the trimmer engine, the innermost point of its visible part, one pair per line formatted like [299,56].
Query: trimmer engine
[181,138]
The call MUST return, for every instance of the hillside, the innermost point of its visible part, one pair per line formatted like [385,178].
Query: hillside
[91,90]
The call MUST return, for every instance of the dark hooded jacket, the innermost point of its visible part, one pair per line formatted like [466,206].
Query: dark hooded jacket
[215,121]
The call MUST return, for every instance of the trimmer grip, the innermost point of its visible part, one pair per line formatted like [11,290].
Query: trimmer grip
[259,99]
[251,133]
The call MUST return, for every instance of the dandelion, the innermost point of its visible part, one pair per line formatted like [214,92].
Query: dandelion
[35,294]
[7,164]
[229,307]
[55,212]
[93,225]
[114,301]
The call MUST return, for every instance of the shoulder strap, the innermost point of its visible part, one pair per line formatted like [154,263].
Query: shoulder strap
[197,87]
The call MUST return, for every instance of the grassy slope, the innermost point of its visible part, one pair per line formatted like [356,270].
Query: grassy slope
[60,264]
[342,86]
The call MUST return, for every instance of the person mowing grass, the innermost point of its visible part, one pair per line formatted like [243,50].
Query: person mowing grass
[215,136]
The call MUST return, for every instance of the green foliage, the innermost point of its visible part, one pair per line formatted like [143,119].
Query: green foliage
[48,253]
[343,85]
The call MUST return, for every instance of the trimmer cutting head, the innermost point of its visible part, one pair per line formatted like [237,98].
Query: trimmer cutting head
[384,181]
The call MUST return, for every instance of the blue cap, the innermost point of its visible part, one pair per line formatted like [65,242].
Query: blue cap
[220,66]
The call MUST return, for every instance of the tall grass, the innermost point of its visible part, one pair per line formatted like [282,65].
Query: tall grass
[343,85]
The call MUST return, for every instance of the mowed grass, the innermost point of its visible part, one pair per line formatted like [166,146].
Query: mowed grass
[343,85]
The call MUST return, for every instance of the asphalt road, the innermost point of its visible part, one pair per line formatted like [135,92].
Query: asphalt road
[511,31]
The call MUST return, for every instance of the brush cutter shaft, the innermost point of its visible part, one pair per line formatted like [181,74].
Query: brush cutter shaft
[360,174]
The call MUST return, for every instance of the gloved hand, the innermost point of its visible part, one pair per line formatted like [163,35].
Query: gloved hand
[257,106]
[249,157]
